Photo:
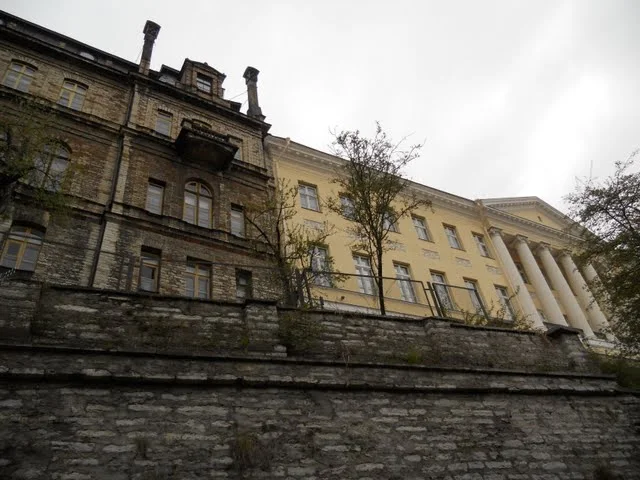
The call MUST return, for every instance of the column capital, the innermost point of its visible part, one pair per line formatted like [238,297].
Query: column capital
[543,246]
[522,238]
[495,231]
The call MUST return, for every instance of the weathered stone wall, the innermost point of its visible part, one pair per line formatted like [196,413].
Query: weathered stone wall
[103,385]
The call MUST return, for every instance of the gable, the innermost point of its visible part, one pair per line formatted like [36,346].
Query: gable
[532,209]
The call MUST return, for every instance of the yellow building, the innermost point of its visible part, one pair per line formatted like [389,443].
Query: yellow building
[458,258]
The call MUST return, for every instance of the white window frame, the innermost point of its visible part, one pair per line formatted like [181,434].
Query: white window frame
[155,197]
[237,221]
[164,123]
[363,267]
[439,282]
[199,274]
[505,302]
[309,197]
[204,83]
[481,243]
[474,294]
[348,208]
[319,263]
[422,230]
[452,236]
[403,276]
[389,223]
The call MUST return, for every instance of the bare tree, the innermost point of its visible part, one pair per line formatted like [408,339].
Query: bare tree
[375,194]
[291,244]
[30,156]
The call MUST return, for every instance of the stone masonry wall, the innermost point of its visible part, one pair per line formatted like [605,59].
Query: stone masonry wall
[103,385]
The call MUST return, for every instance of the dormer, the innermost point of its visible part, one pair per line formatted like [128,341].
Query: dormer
[201,79]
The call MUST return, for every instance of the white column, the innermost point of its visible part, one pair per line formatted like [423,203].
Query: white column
[597,320]
[526,303]
[549,305]
[576,317]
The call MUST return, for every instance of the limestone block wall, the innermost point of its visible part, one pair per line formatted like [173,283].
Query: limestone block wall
[102,385]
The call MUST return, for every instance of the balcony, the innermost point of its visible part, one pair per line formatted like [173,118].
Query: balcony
[198,143]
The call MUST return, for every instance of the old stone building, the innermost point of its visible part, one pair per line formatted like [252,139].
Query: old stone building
[157,167]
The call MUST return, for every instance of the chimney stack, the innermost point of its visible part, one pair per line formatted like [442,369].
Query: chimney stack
[251,77]
[151,30]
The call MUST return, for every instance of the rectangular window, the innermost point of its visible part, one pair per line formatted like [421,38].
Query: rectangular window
[243,284]
[237,221]
[442,291]
[389,223]
[452,237]
[348,210]
[474,294]
[505,302]
[19,76]
[308,197]
[363,267]
[155,197]
[164,122]
[420,224]
[197,279]
[481,244]
[203,83]
[319,263]
[149,270]
[21,248]
[523,274]
[404,281]
[72,95]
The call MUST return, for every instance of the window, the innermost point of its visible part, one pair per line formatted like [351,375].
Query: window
[155,196]
[243,284]
[19,76]
[363,267]
[481,244]
[197,204]
[404,281]
[72,95]
[319,263]
[420,225]
[238,154]
[237,220]
[203,83]
[149,270]
[452,237]
[474,294]
[308,197]
[523,274]
[505,302]
[164,122]
[21,248]
[348,209]
[441,290]
[49,167]
[197,279]
[389,223]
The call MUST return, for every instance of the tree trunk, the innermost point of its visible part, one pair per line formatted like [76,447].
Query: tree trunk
[383,310]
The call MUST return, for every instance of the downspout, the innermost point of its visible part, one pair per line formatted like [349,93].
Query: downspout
[114,184]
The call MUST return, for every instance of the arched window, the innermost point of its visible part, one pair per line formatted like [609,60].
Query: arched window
[19,76]
[72,94]
[21,248]
[197,204]
[50,167]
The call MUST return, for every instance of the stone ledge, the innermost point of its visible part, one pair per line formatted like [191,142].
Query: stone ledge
[66,365]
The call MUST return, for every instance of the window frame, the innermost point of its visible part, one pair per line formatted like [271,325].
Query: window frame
[151,259]
[198,271]
[164,118]
[390,223]
[73,93]
[320,263]
[441,287]
[246,276]
[41,176]
[204,83]
[424,226]
[366,284]
[481,244]
[455,236]
[19,75]
[405,282]
[155,184]
[502,293]
[25,237]
[347,207]
[315,196]
[199,185]
[479,307]
[237,210]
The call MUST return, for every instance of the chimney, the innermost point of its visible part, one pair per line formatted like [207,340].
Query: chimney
[251,77]
[151,30]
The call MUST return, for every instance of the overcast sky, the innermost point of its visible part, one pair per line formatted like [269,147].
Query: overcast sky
[512,98]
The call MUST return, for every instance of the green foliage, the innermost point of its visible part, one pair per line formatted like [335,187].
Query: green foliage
[627,371]
[298,332]
[498,316]
[414,356]
[610,211]
[372,178]
[28,145]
